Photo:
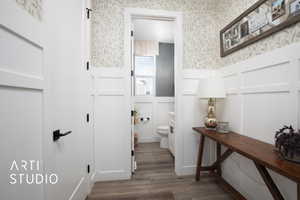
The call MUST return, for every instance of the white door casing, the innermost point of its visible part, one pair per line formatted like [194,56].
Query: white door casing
[177,17]
[133,163]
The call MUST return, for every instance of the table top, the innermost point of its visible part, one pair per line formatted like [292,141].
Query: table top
[256,150]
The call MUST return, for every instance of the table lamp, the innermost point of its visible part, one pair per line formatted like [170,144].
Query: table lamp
[211,89]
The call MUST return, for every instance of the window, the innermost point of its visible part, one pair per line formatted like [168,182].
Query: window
[154,75]
[145,70]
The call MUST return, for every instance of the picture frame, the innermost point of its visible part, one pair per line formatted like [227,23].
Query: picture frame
[294,8]
[261,20]
[278,9]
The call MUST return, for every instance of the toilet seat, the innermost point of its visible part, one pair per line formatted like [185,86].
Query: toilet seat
[163,128]
[163,132]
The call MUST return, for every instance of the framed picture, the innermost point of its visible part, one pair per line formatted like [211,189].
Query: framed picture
[261,20]
[278,9]
[295,8]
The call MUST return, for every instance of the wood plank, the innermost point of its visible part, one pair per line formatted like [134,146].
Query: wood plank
[263,153]
[200,157]
[298,191]
[269,182]
[219,171]
[155,179]
[207,168]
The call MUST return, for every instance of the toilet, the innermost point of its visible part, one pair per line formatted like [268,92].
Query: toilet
[163,131]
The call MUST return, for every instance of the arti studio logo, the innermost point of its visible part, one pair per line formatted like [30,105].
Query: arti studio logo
[29,172]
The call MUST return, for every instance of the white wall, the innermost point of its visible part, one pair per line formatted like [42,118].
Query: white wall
[263,95]
[157,108]
[192,111]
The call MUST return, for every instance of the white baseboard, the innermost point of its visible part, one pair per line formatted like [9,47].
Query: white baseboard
[186,170]
[91,182]
[81,190]
[112,175]
[149,140]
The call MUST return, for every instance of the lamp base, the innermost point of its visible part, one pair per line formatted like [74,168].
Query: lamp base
[210,123]
[210,120]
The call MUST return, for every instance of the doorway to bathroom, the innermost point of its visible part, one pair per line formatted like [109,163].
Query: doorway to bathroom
[155,48]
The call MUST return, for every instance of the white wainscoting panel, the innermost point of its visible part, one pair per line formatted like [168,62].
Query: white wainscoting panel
[262,95]
[157,108]
[193,112]
[145,129]
[111,124]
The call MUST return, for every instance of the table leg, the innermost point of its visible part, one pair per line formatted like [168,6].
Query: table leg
[298,191]
[269,181]
[219,171]
[200,156]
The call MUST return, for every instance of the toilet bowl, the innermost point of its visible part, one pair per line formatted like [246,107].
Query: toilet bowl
[163,131]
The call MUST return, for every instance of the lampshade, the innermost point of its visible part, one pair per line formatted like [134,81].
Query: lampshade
[211,88]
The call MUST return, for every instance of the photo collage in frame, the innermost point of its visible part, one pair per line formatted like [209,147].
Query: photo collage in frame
[264,18]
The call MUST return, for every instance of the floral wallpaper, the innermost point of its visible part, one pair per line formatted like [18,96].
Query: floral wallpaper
[202,21]
[198,25]
[33,7]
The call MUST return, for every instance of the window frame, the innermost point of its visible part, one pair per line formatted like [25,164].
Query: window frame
[146,76]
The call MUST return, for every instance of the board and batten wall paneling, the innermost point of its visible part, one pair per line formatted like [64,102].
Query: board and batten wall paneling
[145,129]
[112,124]
[262,96]
[193,112]
[157,108]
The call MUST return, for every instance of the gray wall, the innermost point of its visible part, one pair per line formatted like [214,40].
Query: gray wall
[165,70]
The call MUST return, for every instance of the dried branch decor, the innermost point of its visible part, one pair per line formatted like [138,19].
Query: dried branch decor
[288,143]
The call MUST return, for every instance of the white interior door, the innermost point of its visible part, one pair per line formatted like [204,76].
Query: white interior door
[23,94]
[68,156]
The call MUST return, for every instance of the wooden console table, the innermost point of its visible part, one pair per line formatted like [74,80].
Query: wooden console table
[262,154]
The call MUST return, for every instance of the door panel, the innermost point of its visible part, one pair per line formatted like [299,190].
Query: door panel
[22,95]
[41,69]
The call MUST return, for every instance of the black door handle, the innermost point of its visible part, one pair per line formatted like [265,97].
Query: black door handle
[57,134]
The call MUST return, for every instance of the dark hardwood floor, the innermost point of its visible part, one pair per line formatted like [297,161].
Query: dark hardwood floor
[155,179]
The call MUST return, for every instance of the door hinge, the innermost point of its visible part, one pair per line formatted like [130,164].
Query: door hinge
[88,169]
[132,153]
[88,12]
[131,33]
[88,117]
[132,73]
[132,113]
[87,65]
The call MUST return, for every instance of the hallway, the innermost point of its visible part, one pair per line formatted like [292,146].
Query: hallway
[155,179]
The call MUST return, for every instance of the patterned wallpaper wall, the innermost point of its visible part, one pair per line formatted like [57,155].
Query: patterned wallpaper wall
[198,25]
[33,7]
[202,21]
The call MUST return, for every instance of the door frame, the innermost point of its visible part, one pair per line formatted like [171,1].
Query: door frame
[129,13]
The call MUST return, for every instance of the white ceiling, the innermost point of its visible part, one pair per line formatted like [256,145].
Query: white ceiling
[161,31]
